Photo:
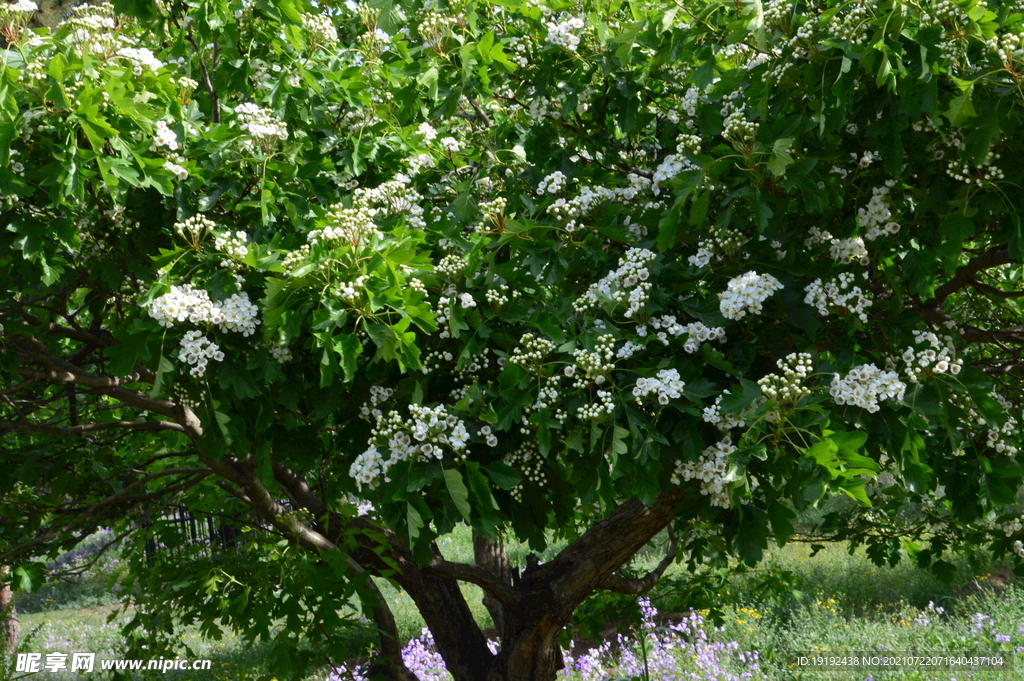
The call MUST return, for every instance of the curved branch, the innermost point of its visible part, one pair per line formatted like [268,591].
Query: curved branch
[641,585]
[965,275]
[465,572]
[90,427]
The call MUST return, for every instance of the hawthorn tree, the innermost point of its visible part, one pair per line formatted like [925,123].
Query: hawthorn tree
[349,275]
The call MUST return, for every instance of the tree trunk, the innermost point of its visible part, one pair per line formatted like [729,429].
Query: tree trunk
[547,594]
[490,555]
[456,634]
[8,615]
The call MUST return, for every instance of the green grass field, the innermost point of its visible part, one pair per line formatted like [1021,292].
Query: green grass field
[839,604]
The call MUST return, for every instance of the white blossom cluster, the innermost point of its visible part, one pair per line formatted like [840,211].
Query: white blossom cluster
[188,303]
[294,260]
[282,354]
[181,303]
[165,137]
[746,293]
[595,364]
[628,349]
[711,469]
[233,244]
[427,131]
[851,24]
[697,334]
[1009,48]
[980,174]
[1012,526]
[664,326]
[22,6]
[195,227]
[721,245]
[174,166]
[238,314]
[552,184]
[561,33]
[666,384]
[378,395]
[598,408]
[260,123]
[838,293]
[91,28]
[1001,439]
[849,250]
[631,275]
[547,396]
[427,433]
[788,388]
[528,460]
[320,30]
[433,27]
[572,209]
[670,166]
[451,145]
[531,350]
[937,357]
[141,58]
[451,265]
[351,290]
[739,129]
[196,350]
[865,385]
[726,422]
[817,237]
[493,210]
[1018,548]
[352,225]
[876,217]
[501,295]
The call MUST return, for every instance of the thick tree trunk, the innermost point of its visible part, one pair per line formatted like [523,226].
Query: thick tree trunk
[547,594]
[490,555]
[8,616]
[456,634]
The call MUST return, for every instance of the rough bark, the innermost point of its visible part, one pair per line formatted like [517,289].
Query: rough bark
[549,593]
[490,556]
[8,615]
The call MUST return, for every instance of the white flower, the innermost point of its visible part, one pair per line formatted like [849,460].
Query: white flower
[427,131]
[451,144]
[746,293]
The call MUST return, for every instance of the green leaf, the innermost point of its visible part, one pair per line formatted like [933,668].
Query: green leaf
[960,109]
[855,490]
[503,475]
[781,158]
[458,491]
[164,367]
[414,520]
[823,452]
[699,209]
[349,348]
[736,402]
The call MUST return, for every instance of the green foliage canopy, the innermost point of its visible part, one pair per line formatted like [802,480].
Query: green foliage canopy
[509,264]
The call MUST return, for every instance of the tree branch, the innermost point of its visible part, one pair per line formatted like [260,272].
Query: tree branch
[965,275]
[465,572]
[91,427]
[642,585]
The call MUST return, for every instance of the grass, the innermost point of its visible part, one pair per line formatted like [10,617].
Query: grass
[839,603]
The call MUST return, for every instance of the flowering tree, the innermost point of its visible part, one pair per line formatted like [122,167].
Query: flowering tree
[349,275]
